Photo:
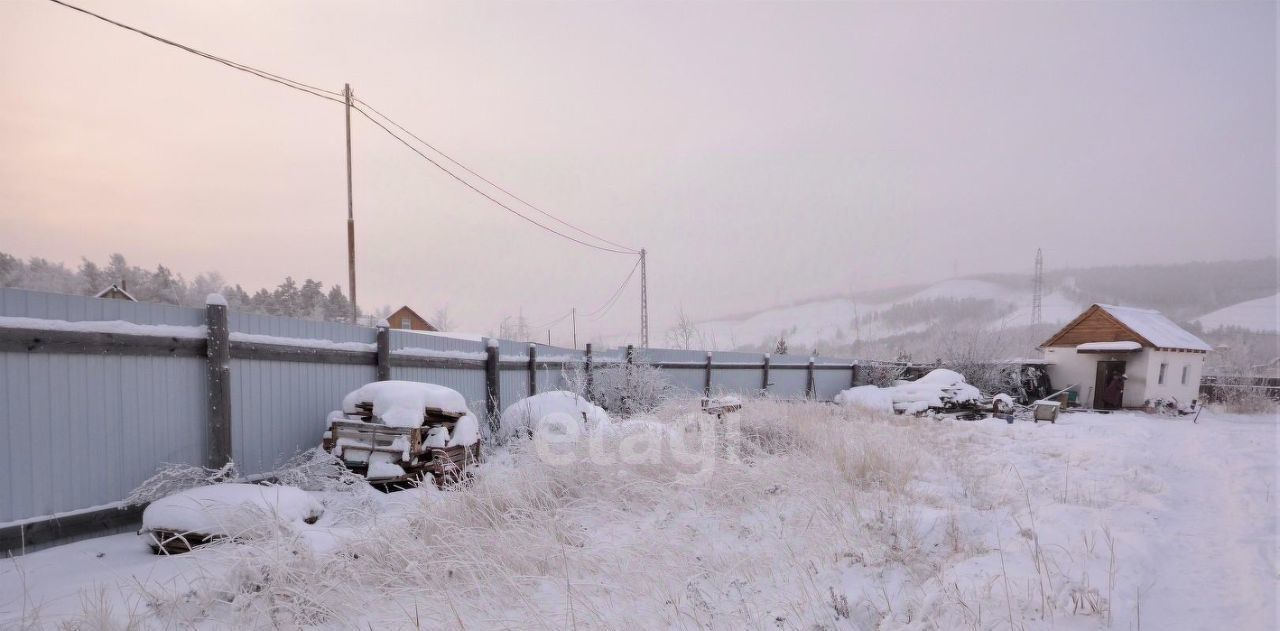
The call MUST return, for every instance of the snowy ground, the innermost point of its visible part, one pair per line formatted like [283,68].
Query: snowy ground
[820,517]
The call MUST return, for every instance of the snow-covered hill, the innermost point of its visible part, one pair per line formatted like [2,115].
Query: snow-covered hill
[842,320]
[1261,314]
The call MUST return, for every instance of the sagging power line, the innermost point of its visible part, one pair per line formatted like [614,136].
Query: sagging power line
[347,99]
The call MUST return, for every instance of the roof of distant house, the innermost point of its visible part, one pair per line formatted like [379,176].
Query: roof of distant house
[115,288]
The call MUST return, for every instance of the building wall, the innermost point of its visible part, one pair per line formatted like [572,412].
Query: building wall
[1069,367]
[1173,386]
[416,322]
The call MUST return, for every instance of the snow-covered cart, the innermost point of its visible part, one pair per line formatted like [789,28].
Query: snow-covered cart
[394,432]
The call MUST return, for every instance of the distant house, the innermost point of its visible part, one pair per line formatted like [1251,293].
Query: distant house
[409,320]
[116,292]
[1159,359]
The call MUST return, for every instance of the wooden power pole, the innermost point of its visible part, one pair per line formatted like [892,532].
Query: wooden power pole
[351,218]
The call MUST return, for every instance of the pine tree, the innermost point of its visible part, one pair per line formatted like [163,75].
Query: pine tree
[336,306]
[781,347]
[311,300]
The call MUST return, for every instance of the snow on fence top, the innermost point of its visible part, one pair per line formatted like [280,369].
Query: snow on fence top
[1156,328]
[105,326]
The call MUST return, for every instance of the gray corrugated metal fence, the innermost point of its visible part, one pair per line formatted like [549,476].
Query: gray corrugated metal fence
[88,411]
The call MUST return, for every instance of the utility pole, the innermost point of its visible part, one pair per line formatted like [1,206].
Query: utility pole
[1037,314]
[644,302]
[575,328]
[351,218]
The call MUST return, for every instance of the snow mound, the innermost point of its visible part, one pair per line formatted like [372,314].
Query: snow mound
[403,403]
[867,397]
[528,413]
[228,509]
[934,390]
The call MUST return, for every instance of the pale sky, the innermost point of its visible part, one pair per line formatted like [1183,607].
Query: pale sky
[761,152]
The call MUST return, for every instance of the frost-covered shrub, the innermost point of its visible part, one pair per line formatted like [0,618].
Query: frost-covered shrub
[174,478]
[621,388]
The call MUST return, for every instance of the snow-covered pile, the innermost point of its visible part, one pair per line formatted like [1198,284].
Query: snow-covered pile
[404,404]
[229,509]
[934,390]
[867,397]
[528,413]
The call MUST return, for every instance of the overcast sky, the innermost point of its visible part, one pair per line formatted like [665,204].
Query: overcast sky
[761,152]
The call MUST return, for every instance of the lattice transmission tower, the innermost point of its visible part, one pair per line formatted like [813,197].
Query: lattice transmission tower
[1037,291]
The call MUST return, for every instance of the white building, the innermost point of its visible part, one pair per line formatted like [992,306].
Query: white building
[1159,359]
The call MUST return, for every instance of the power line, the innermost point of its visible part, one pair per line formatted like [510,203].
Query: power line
[606,307]
[491,182]
[297,85]
[480,192]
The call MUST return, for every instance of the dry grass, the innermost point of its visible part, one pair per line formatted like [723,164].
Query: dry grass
[811,516]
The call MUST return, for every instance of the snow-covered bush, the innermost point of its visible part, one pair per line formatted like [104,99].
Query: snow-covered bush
[525,415]
[622,388]
[172,478]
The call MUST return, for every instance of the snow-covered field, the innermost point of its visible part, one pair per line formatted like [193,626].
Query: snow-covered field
[817,517]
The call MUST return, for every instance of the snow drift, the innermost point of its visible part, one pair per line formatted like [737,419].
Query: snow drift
[526,414]
[934,390]
[230,509]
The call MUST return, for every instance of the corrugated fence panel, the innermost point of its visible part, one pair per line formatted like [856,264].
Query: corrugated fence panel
[22,303]
[788,384]
[84,430]
[513,385]
[467,381]
[280,408]
[827,383]
[686,381]
[289,327]
[737,381]
[409,339]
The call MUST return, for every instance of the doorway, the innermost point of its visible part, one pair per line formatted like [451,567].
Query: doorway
[1108,370]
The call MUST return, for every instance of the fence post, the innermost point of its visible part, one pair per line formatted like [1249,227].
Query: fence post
[218,373]
[810,389]
[492,388]
[853,375]
[533,369]
[384,351]
[631,354]
[706,385]
[764,383]
[587,363]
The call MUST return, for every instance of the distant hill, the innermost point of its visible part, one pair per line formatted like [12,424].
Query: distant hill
[915,320]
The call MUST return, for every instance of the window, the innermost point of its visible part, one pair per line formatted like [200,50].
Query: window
[1185,371]
[406,324]
[1164,368]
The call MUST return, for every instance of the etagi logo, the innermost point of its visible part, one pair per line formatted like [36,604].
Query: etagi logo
[689,446]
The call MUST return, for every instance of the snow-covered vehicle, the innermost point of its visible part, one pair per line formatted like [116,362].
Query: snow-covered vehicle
[404,431]
[187,519]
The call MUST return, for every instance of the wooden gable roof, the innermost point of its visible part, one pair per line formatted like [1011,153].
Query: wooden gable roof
[1106,323]
[1095,325]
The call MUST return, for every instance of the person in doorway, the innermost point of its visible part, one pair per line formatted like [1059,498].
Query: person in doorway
[1113,396]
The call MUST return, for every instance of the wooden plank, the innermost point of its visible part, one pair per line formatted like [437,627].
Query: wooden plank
[285,353]
[36,535]
[26,340]
[417,361]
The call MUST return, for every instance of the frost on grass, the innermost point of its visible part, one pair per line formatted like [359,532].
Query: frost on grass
[792,515]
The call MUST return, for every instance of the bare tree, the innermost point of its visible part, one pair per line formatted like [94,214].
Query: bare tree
[685,334]
[441,319]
